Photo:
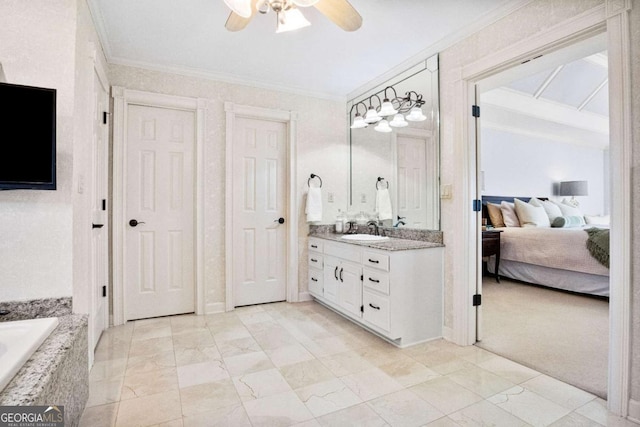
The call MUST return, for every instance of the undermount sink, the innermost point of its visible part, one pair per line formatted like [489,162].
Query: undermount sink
[364,237]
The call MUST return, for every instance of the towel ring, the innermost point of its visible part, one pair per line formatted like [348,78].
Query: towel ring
[380,179]
[314,176]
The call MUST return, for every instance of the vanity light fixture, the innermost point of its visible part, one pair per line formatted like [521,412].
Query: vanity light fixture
[394,106]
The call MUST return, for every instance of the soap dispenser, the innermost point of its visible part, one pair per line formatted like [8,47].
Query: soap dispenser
[339,222]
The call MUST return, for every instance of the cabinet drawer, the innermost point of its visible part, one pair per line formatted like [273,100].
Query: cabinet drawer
[376,260]
[490,246]
[376,280]
[316,282]
[376,310]
[343,250]
[316,260]
[315,245]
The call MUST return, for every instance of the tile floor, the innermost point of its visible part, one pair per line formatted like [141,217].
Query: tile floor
[301,364]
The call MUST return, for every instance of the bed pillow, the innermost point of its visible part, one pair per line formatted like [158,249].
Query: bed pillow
[597,219]
[509,214]
[495,215]
[568,221]
[569,210]
[552,210]
[530,215]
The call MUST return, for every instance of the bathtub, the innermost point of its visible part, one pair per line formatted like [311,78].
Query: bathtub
[18,341]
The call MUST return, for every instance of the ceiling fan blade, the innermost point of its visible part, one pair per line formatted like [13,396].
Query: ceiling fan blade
[341,13]
[236,22]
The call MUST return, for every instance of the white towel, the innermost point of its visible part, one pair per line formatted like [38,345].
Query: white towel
[383,204]
[314,204]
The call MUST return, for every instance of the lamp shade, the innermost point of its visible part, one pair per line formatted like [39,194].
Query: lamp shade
[240,7]
[372,116]
[383,126]
[573,188]
[358,122]
[386,109]
[292,19]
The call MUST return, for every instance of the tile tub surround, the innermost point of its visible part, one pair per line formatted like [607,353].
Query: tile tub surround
[288,364]
[433,236]
[37,308]
[57,373]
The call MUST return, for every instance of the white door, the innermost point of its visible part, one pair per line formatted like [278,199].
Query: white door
[100,226]
[159,260]
[412,180]
[259,204]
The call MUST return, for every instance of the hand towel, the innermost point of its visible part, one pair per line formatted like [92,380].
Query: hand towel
[383,204]
[314,204]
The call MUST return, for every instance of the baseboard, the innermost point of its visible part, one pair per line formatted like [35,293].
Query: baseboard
[634,411]
[214,307]
[304,296]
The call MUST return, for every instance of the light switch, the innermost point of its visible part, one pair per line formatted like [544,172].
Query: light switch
[445,193]
[363,198]
[330,197]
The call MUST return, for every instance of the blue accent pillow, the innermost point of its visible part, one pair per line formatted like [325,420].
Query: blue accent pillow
[568,221]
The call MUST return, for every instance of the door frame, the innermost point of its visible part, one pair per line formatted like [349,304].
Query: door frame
[289,118]
[613,18]
[122,98]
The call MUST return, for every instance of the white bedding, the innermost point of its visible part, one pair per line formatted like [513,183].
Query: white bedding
[559,248]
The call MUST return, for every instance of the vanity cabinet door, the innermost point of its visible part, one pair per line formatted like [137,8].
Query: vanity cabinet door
[350,288]
[331,278]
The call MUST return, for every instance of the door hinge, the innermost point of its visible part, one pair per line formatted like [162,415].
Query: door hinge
[104,291]
[475,110]
[477,205]
[477,300]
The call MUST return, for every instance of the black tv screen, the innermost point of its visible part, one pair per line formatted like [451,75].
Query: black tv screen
[28,141]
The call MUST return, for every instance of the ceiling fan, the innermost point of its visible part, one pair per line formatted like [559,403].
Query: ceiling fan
[289,16]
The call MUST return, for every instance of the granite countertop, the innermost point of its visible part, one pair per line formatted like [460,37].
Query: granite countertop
[391,244]
[27,384]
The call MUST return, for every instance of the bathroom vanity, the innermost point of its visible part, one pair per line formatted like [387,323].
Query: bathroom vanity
[392,287]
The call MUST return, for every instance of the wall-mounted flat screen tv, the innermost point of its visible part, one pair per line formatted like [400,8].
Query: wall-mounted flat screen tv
[27,138]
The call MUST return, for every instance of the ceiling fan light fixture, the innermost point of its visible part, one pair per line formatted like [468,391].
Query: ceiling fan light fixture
[292,19]
[305,3]
[240,7]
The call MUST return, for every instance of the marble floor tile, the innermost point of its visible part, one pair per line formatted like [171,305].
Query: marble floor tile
[261,384]
[302,364]
[480,381]
[485,413]
[200,373]
[305,373]
[446,395]
[359,415]
[289,355]
[529,406]
[371,383]
[404,408]
[561,393]
[140,384]
[229,416]
[284,409]
[328,396]
[247,363]
[208,397]
[150,410]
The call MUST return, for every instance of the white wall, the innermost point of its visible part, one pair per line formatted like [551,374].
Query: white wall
[322,149]
[521,165]
[37,48]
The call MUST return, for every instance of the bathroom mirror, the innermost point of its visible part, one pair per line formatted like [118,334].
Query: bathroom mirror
[405,160]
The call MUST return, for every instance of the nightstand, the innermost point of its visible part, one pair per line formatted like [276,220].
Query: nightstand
[491,246]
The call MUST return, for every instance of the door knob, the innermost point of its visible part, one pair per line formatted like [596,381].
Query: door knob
[279,220]
[134,222]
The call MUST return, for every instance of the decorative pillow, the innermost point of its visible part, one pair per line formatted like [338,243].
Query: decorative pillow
[568,221]
[569,210]
[509,214]
[495,215]
[597,220]
[530,215]
[552,210]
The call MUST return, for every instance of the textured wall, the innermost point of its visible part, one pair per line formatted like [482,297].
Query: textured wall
[37,49]
[321,149]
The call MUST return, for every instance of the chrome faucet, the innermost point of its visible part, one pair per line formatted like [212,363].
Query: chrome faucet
[400,221]
[376,231]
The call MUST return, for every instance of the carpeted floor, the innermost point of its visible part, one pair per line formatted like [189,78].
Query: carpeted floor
[560,334]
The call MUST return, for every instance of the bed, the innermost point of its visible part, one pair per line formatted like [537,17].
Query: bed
[548,256]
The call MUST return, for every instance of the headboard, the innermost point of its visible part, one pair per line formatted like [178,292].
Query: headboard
[499,199]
